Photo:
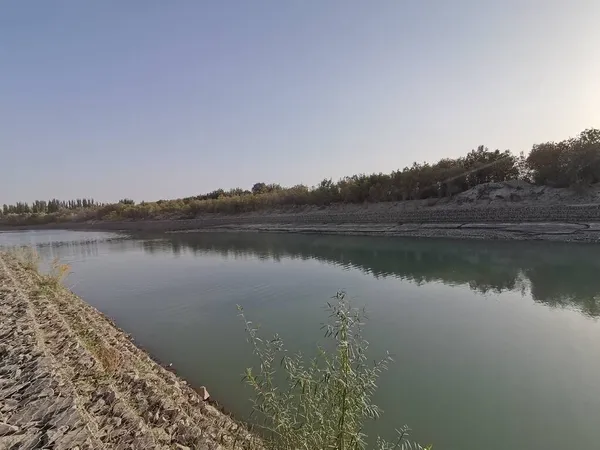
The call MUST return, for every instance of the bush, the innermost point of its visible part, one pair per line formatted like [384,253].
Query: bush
[325,402]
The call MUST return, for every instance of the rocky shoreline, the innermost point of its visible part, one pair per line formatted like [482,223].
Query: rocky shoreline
[69,378]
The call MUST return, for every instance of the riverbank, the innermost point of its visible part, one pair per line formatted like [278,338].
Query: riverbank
[69,378]
[371,224]
[506,211]
[557,232]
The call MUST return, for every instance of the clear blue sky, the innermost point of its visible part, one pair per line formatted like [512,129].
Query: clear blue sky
[161,99]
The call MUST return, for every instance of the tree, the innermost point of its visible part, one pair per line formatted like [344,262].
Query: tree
[582,158]
[273,187]
[486,166]
[544,160]
[259,188]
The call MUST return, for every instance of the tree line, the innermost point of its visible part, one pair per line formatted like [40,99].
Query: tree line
[574,162]
[48,207]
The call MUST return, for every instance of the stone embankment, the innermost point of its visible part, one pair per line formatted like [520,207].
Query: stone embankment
[70,379]
[560,232]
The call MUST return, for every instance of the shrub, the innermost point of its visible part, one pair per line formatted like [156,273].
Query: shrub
[325,402]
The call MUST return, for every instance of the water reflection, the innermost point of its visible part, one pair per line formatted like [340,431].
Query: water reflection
[60,243]
[556,274]
[559,275]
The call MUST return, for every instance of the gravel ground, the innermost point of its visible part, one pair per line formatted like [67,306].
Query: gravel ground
[70,379]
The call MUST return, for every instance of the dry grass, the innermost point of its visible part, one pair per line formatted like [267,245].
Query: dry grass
[58,271]
[27,256]
[110,358]
[49,283]
[30,259]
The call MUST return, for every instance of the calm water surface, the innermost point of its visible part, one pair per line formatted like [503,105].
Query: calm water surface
[497,345]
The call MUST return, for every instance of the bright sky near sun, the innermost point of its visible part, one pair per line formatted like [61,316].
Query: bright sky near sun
[161,99]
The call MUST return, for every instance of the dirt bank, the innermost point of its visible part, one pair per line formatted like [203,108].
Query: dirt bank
[70,379]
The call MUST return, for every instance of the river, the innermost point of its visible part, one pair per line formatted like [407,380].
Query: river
[496,344]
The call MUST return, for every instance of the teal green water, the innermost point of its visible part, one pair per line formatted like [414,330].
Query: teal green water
[496,344]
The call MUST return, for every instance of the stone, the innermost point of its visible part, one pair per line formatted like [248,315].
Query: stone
[203,393]
[117,421]
[9,404]
[6,429]
[46,392]
[110,397]
[12,441]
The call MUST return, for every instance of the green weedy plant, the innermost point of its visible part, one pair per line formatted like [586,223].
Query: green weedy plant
[325,403]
